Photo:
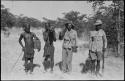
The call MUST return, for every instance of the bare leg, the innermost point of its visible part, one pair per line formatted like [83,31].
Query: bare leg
[31,65]
[52,63]
[93,66]
[98,67]
[52,58]
[26,64]
[45,61]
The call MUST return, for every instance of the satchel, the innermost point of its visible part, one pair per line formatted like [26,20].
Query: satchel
[74,49]
[37,44]
[60,36]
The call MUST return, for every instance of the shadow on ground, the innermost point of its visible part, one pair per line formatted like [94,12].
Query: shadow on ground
[34,66]
[59,64]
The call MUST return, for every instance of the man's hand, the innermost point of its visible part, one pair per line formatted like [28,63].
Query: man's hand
[38,50]
[74,48]
[104,49]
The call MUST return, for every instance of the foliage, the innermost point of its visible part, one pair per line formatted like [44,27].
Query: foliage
[113,18]
[113,21]
[7,18]
[71,17]
[10,20]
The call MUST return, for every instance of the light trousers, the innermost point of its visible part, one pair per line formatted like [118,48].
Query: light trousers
[66,59]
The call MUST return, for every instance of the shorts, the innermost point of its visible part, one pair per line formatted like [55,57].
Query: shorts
[96,55]
[29,55]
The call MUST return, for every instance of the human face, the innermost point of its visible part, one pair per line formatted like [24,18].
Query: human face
[27,29]
[98,27]
[47,26]
[69,27]
[51,28]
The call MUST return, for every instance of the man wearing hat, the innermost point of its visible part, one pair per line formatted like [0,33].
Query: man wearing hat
[69,41]
[98,44]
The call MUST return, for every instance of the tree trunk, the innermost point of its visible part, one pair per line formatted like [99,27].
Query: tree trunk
[118,37]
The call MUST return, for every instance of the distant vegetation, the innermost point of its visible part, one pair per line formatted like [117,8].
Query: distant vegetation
[112,17]
[10,20]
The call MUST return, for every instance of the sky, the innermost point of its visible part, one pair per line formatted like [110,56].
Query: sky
[49,9]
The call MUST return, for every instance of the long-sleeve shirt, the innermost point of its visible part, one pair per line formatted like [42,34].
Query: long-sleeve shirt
[98,40]
[70,39]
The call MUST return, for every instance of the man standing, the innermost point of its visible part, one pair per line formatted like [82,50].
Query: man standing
[29,47]
[49,37]
[98,45]
[69,41]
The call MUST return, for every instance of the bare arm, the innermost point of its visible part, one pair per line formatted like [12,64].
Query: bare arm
[20,40]
[54,33]
[90,41]
[105,40]
[76,39]
[90,44]
[61,34]
[45,36]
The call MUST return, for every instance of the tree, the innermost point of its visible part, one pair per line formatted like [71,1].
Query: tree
[114,19]
[77,20]
[10,20]
[7,18]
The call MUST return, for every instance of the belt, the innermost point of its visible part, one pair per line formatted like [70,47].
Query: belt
[66,40]
[68,48]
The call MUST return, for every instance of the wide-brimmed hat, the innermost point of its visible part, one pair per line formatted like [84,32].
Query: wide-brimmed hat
[69,22]
[98,22]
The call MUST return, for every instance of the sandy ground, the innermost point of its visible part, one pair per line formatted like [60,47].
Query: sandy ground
[11,50]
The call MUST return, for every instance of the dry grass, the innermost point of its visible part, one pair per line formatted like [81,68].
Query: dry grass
[10,51]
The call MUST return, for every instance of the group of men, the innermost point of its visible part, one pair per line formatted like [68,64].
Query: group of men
[98,44]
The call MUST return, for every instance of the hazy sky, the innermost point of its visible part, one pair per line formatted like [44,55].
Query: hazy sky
[48,9]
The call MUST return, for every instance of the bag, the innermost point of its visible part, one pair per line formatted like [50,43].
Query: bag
[60,36]
[37,44]
[74,49]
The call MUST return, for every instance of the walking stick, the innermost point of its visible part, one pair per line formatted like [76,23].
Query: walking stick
[103,61]
[16,61]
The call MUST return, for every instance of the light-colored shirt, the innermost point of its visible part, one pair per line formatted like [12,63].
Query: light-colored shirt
[70,39]
[98,40]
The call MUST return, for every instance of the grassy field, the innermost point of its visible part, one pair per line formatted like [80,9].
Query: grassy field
[10,51]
